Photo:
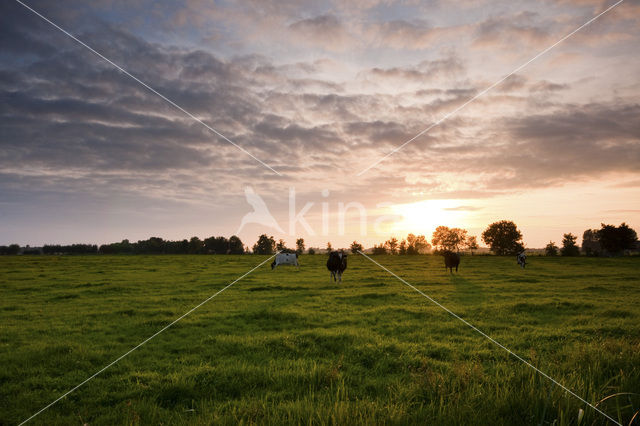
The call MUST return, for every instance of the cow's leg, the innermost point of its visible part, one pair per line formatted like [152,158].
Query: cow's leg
[339,277]
[456,268]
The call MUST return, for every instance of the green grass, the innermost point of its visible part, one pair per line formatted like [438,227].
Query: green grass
[292,347]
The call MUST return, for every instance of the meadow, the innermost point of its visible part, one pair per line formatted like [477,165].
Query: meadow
[291,347]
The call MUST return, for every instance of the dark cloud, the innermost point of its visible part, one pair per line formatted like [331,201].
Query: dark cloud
[513,82]
[520,29]
[70,113]
[324,31]
[547,86]
[67,113]
[602,125]
[575,143]
[380,134]
[424,72]
[517,82]
[568,144]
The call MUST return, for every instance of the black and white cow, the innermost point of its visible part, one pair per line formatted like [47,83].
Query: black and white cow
[451,260]
[336,264]
[522,259]
[285,259]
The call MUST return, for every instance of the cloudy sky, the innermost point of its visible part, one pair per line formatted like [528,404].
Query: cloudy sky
[318,91]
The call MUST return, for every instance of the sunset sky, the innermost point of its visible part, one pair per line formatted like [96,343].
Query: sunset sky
[318,91]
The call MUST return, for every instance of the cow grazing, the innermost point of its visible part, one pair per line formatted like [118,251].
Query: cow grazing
[336,264]
[451,260]
[285,259]
[522,259]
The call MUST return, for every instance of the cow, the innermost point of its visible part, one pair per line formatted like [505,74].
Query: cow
[285,259]
[451,260]
[522,259]
[336,264]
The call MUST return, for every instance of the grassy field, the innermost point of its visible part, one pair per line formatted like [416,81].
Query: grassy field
[291,347]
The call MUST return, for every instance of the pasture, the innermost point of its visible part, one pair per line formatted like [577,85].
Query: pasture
[292,347]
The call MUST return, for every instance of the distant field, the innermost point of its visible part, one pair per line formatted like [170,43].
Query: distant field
[291,347]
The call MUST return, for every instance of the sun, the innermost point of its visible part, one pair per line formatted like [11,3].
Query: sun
[423,217]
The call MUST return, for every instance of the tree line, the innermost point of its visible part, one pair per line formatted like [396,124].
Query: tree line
[70,249]
[504,238]
[153,245]
[413,244]
[268,245]
[609,240]
[156,245]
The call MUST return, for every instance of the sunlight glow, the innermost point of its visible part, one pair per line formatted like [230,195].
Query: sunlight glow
[423,217]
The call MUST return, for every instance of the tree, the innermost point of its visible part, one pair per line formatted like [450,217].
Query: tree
[264,245]
[153,245]
[10,250]
[402,248]
[195,245]
[392,245]
[445,238]
[590,242]
[379,249]
[417,244]
[356,247]
[472,244]
[281,246]
[69,249]
[627,236]
[439,236]
[311,250]
[617,239]
[172,247]
[13,249]
[503,238]
[329,248]
[569,246]
[216,245]
[300,246]
[551,249]
[235,245]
